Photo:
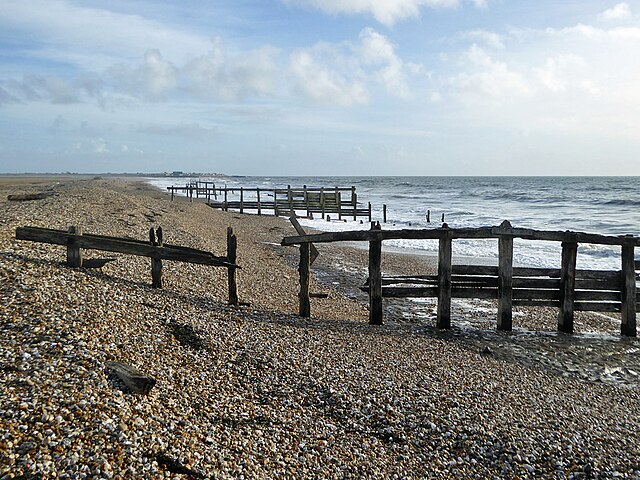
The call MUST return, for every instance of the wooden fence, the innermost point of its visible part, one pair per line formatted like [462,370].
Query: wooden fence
[566,288]
[155,248]
[341,201]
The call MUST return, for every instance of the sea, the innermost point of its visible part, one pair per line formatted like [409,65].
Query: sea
[604,205]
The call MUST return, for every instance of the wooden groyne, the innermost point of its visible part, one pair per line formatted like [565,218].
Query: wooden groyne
[155,249]
[341,202]
[566,288]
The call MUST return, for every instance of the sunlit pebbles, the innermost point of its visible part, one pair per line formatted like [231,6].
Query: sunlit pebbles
[266,394]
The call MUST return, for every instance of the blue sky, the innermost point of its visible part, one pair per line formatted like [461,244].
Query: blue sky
[321,87]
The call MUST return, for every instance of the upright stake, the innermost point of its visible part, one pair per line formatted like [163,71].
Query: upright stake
[629,292]
[156,263]
[74,252]
[384,213]
[375,279]
[354,196]
[444,279]
[226,206]
[369,211]
[505,278]
[258,198]
[232,247]
[303,268]
[306,200]
[339,203]
[241,200]
[567,286]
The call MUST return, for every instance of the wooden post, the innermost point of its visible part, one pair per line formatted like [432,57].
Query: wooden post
[369,211]
[172,193]
[156,263]
[354,195]
[505,278]
[306,200]
[629,293]
[290,199]
[232,247]
[444,279]
[384,214]
[226,206]
[428,216]
[258,197]
[241,200]
[567,286]
[339,203]
[74,253]
[322,201]
[375,279]
[304,267]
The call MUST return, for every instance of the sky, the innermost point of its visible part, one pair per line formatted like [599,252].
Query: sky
[321,87]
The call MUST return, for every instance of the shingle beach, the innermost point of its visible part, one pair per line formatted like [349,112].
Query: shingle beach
[254,391]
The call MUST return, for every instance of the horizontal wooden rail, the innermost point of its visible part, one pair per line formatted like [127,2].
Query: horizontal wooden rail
[459,233]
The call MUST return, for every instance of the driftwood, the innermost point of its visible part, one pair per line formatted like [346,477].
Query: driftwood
[135,380]
[96,262]
[23,197]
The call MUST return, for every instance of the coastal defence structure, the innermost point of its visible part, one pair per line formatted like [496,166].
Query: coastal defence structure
[156,249]
[566,288]
[339,201]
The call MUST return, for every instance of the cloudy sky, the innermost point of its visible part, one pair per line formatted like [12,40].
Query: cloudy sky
[321,87]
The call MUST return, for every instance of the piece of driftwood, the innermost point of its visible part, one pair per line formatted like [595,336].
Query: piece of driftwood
[96,262]
[23,197]
[135,380]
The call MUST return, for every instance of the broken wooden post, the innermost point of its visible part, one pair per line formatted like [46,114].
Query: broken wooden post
[232,247]
[226,205]
[241,200]
[629,292]
[156,263]
[322,201]
[354,199]
[74,252]
[306,200]
[304,267]
[369,212]
[135,380]
[384,214]
[567,286]
[505,278]
[444,278]
[375,279]
[339,203]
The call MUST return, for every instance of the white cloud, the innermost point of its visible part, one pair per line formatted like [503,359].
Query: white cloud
[344,74]
[484,75]
[621,11]
[490,39]
[153,79]
[323,84]
[93,38]
[387,12]
[219,75]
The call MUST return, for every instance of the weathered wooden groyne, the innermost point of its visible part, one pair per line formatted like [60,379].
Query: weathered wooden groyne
[566,288]
[342,202]
[156,249]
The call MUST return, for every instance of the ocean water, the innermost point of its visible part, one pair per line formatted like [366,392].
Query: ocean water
[605,205]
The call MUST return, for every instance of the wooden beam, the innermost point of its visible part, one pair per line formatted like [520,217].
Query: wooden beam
[74,252]
[300,230]
[505,278]
[304,270]
[629,293]
[375,279]
[444,278]
[567,286]
[232,248]
[156,263]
